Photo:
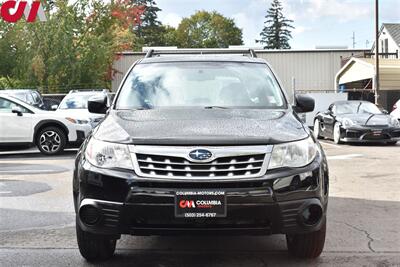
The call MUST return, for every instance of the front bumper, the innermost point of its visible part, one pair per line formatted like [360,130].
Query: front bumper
[269,205]
[370,134]
[78,135]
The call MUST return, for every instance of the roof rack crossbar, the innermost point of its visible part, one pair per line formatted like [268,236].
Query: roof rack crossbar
[152,52]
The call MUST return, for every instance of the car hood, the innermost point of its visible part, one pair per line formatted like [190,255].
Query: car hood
[201,127]
[365,119]
[80,114]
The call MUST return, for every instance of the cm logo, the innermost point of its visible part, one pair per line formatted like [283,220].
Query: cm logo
[12,11]
[187,204]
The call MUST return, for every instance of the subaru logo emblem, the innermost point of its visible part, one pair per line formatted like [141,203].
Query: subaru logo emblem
[200,154]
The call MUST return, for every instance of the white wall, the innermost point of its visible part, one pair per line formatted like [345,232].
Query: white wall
[392,46]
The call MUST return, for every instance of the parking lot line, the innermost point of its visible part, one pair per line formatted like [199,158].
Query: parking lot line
[26,171]
[329,144]
[347,156]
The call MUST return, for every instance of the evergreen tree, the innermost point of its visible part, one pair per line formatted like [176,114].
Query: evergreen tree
[149,31]
[277,29]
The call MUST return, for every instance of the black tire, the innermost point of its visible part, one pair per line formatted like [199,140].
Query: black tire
[307,246]
[392,143]
[94,247]
[336,135]
[317,129]
[51,140]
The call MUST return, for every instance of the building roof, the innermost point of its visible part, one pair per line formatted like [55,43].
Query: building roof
[394,31]
[358,69]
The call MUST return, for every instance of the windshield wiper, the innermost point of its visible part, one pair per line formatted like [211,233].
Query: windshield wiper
[215,107]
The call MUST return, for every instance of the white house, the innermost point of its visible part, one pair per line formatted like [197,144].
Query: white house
[389,39]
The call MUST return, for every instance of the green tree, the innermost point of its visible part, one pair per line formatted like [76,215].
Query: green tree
[208,30]
[277,29]
[8,53]
[74,49]
[149,31]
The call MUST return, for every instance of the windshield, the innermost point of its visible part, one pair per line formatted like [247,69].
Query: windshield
[357,107]
[19,95]
[75,101]
[200,84]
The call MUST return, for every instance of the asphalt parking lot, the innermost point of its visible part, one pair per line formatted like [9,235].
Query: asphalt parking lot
[37,218]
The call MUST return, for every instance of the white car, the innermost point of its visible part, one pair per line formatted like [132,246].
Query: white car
[21,123]
[396,110]
[75,105]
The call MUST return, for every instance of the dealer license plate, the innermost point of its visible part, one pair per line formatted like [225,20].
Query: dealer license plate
[200,204]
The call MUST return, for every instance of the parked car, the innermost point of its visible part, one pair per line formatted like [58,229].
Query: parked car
[356,121]
[32,97]
[396,110]
[22,123]
[75,104]
[200,145]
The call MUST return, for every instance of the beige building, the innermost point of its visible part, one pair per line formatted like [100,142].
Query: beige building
[357,78]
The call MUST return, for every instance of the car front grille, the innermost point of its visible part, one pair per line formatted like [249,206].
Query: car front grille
[226,163]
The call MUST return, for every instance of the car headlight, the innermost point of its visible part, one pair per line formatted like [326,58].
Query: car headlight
[75,121]
[108,155]
[294,154]
[348,123]
[394,122]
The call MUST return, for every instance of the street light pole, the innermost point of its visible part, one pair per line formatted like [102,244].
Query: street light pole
[376,83]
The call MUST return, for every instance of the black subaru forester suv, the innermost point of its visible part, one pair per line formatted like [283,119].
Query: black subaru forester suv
[197,144]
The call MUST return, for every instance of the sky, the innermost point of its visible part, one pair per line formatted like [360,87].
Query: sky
[317,22]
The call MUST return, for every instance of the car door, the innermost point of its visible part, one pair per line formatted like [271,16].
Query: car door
[328,121]
[15,127]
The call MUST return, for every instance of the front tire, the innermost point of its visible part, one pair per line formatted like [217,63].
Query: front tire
[307,246]
[317,129]
[336,133]
[94,247]
[51,141]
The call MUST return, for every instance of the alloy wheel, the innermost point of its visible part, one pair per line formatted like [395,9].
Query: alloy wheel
[336,133]
[316,129]
[50,141]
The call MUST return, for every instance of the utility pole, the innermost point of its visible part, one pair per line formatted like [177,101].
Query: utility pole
[354,40]
[376,83]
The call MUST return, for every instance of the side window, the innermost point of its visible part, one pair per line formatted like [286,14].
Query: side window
[6,106]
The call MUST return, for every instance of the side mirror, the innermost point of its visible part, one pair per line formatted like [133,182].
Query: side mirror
[98,104]
[54,107]
[17,110]
[304,104]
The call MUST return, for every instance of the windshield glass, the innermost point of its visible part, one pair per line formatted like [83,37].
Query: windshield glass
[19,95]
[75,101]
[357,107]
[200,84]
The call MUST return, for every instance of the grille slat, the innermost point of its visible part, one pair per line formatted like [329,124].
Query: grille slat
[194,170]
[187,163]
